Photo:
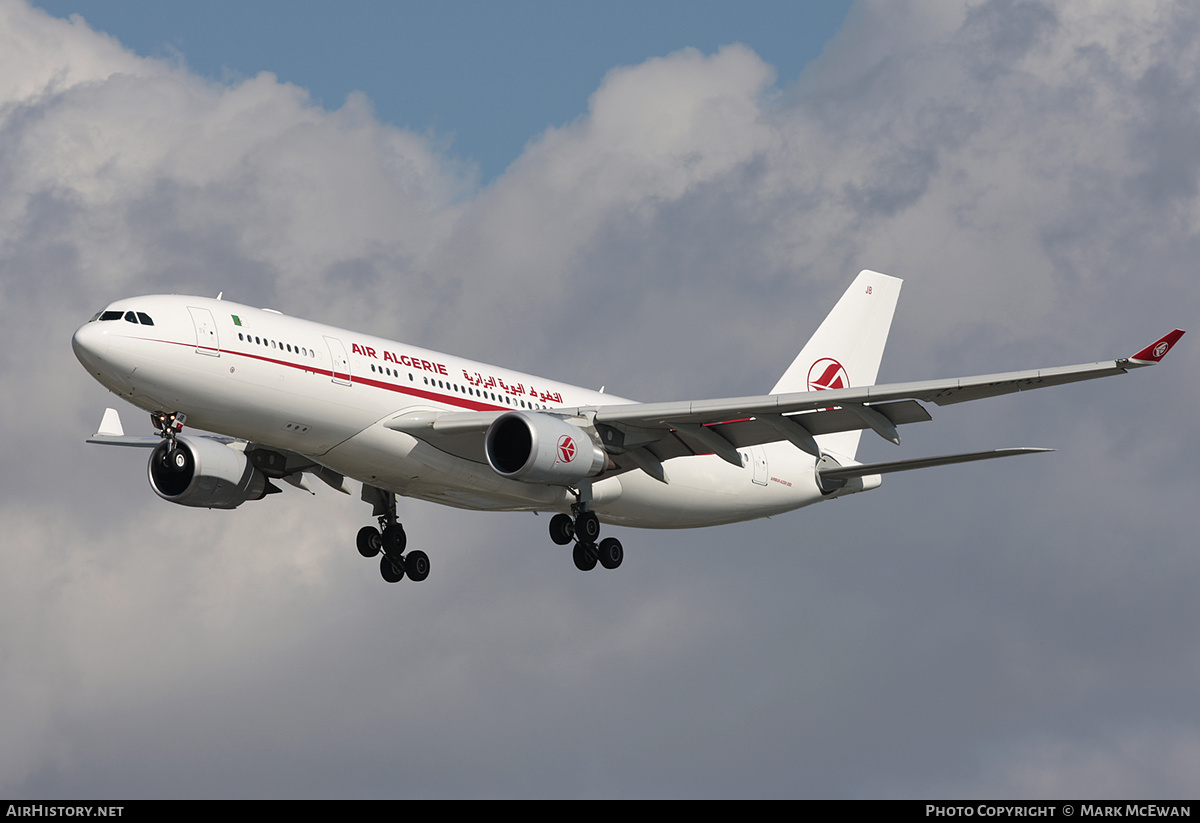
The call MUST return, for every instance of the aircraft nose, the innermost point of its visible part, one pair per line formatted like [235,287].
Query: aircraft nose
[90,342]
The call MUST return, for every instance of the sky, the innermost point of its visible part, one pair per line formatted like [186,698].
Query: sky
[480,79]
[664,199]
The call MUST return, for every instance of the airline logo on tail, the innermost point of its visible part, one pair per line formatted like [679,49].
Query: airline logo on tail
[827,373]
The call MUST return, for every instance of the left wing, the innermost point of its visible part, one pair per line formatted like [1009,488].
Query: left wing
[799,416]
[643,435]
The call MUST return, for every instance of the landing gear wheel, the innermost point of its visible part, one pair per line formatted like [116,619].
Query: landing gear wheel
[587,527]
[392,572]
[611,553]
[584,556]
[416,563]
[562,530]
[394,540]
[370,542]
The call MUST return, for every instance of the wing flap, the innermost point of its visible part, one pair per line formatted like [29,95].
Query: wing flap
[756,431]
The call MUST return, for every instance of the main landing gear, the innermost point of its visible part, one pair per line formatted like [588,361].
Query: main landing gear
[390,541]
[584,530]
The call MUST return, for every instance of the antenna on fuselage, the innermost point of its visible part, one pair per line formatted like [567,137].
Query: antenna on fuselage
[219,294]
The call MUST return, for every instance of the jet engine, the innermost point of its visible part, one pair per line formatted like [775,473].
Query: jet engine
[205,473]
[541,448]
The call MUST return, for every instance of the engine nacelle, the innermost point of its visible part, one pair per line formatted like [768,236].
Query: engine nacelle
[541,448]
[204,473]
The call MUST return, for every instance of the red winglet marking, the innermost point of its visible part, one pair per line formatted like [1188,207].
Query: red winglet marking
[1158,349]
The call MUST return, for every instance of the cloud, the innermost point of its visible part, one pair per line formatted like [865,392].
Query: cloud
[1029,168]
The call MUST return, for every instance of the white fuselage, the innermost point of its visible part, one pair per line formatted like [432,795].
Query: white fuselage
[326,393]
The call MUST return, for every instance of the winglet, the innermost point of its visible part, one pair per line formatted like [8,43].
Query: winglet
[1157,350]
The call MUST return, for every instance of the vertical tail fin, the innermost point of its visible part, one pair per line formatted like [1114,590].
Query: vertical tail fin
[846,349]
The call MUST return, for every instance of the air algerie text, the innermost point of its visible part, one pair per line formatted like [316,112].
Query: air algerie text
[400,359]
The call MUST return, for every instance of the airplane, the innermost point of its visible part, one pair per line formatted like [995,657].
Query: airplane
[283,398]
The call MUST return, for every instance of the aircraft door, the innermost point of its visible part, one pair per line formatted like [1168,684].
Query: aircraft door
[206,332]
[758,460]
[340,361]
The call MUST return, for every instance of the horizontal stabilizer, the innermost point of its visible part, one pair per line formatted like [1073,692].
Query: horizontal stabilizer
[138,441]
[112,433]
[849,472]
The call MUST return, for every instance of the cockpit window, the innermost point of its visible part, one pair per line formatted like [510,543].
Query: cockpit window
[131,317]
[145,318]
[111,315]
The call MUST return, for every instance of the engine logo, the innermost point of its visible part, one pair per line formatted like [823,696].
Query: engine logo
[566,449]
[827,373]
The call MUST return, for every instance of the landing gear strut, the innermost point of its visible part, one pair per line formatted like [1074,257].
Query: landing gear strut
[584,529]
[390,540]
[168,424]
[172,461]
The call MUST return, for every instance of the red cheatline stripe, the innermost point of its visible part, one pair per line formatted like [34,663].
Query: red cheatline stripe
[448,399]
